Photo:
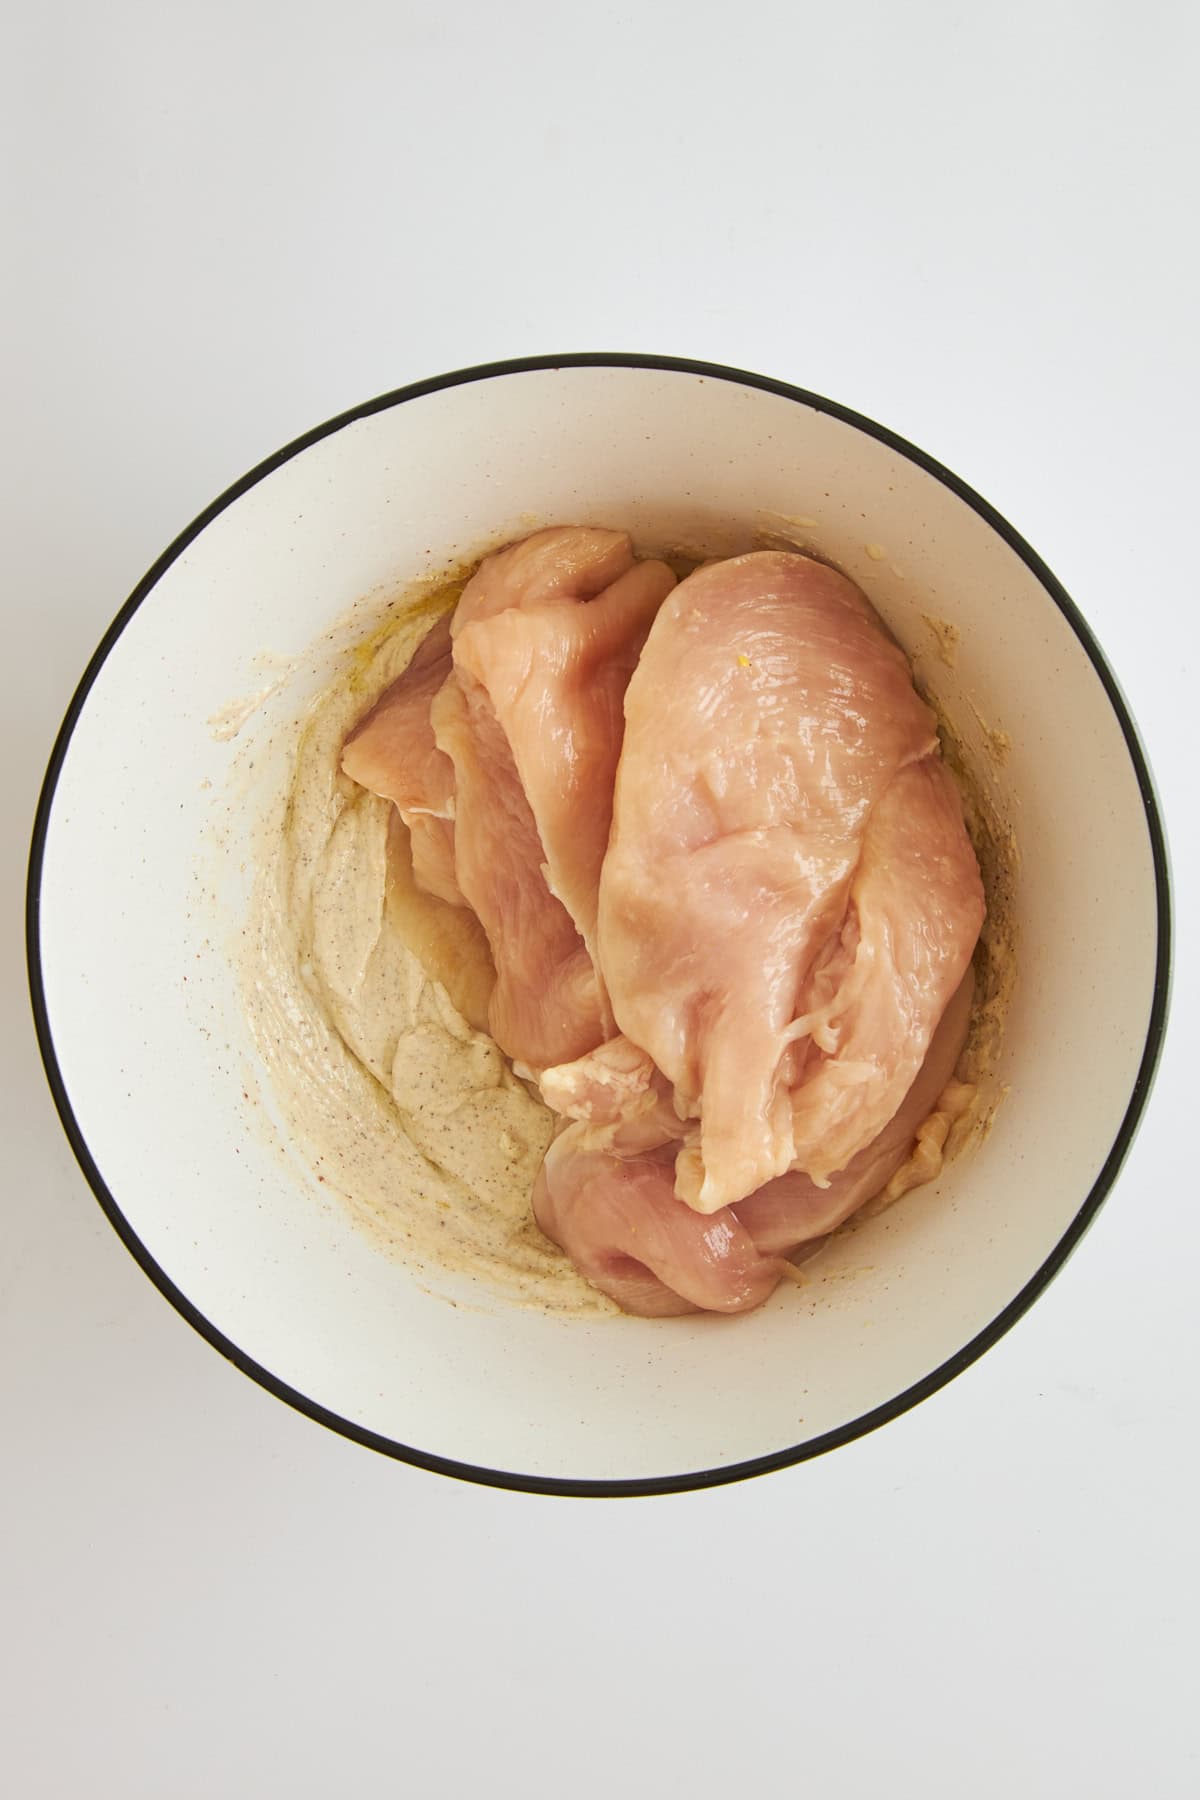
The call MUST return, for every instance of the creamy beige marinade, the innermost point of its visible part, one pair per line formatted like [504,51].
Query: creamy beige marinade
[402,1106]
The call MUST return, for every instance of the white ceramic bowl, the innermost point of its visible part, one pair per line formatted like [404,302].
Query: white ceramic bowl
[244,1242]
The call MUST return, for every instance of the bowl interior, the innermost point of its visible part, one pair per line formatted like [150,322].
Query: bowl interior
[143,1011]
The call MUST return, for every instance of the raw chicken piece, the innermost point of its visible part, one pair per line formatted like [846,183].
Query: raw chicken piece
[916,908]
[619,1220]
[545,638]
[768,715]
[620,1223]
[545,1006]
[555,672]
[793,1210]
[392,752]
[617,1091]
[563,562]
[615,1081]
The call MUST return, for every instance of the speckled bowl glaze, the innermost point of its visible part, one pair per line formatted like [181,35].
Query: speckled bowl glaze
[244,1242]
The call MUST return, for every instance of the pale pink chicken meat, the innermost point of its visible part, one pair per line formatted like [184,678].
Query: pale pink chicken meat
[793,1210]
[553,636]
[616,1090]
[624,1228]
[546,1001]
[915,912]
[620,1223]
[392,753]
[545,638]
[768,717]
[561,562]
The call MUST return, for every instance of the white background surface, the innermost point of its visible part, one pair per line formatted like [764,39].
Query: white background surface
[224,224]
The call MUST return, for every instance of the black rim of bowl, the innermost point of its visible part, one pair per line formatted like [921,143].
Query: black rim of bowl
[759,1465]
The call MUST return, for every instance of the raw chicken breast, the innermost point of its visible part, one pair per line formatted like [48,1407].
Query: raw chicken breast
[545,1006]
[620,1223]
[916,908]
[544,640]
[563,562]
[793,1210]
[624,1228]
[392,752]
[768,716]
[554,649]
